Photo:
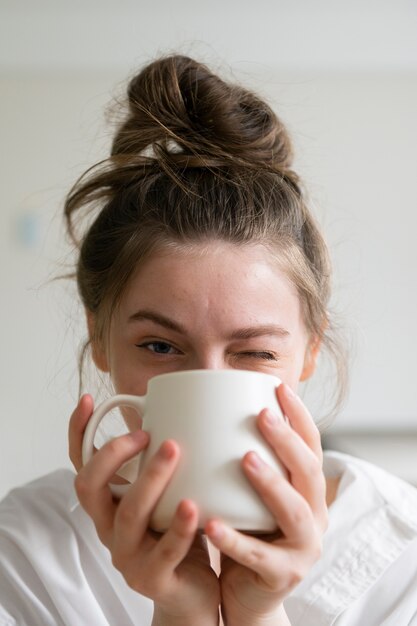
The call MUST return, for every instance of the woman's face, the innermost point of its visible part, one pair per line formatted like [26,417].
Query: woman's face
[219,306]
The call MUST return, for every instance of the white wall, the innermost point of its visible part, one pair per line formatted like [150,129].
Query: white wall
[355,131]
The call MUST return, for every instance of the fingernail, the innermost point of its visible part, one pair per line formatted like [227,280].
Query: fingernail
[214,530]
[270,418]
[166,451]
[184,511]
[254,461]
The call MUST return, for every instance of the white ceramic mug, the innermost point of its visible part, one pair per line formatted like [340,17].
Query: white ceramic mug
[212,416]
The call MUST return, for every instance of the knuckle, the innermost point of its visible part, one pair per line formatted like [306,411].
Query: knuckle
[314,468]
[169,554]
[299,513]
[126,515]
[254,558]
[317,549]
[301,567]
[115,446]
[295,577]
[294,574]
[119,447]
[313,550]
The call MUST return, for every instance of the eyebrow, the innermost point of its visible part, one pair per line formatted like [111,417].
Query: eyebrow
[260,331]
[157,318]
[249,332]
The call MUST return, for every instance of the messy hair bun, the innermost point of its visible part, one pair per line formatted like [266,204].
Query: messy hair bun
[196,158]
[190,116]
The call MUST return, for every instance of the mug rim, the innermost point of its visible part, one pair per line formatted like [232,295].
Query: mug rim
[213,373]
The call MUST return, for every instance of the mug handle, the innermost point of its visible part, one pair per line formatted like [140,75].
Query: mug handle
[134,402]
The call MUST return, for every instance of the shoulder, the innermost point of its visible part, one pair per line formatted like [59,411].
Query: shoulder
[370,546]
[45,499]
[376,531]
[38,513]
[34,523]
[382,489]
[56,484]
[53,568]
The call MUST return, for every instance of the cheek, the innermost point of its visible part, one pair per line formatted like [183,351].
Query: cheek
[122,376]
[296,370]
[292,379]
[132,419]
[128,380]
[126,376]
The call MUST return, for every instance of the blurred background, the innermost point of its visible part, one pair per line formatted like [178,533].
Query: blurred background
[343,76]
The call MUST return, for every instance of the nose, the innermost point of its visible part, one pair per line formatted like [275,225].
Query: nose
[211,360]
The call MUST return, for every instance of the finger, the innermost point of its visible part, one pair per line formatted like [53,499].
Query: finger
[304,468]
[291,511]
[135,510]
[175,544]
[77,424]
[269,562]
[300,418]
[92,481]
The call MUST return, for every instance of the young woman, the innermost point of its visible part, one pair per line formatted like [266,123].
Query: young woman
[203,254]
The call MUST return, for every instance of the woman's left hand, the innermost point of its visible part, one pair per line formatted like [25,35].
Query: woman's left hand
[258,574]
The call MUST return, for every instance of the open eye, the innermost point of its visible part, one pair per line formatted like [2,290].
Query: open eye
[158,347]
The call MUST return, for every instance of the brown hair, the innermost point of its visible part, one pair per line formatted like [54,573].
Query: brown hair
[196,158]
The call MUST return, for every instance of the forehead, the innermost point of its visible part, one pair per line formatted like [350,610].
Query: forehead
[218,282]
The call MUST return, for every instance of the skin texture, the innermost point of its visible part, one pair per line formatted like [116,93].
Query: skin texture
[217,306]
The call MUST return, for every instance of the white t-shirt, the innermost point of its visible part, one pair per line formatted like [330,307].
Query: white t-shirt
[54,571]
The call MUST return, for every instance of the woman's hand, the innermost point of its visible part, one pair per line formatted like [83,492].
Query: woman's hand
[172,569]
[258,574]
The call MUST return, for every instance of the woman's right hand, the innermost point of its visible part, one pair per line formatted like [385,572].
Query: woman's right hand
[172,569]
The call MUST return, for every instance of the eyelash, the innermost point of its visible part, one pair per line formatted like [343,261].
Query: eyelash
[146,345]
[267,356]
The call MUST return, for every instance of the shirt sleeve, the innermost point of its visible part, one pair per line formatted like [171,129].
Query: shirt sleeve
[23,598]
[54,571]
[6,620]
[392,599]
